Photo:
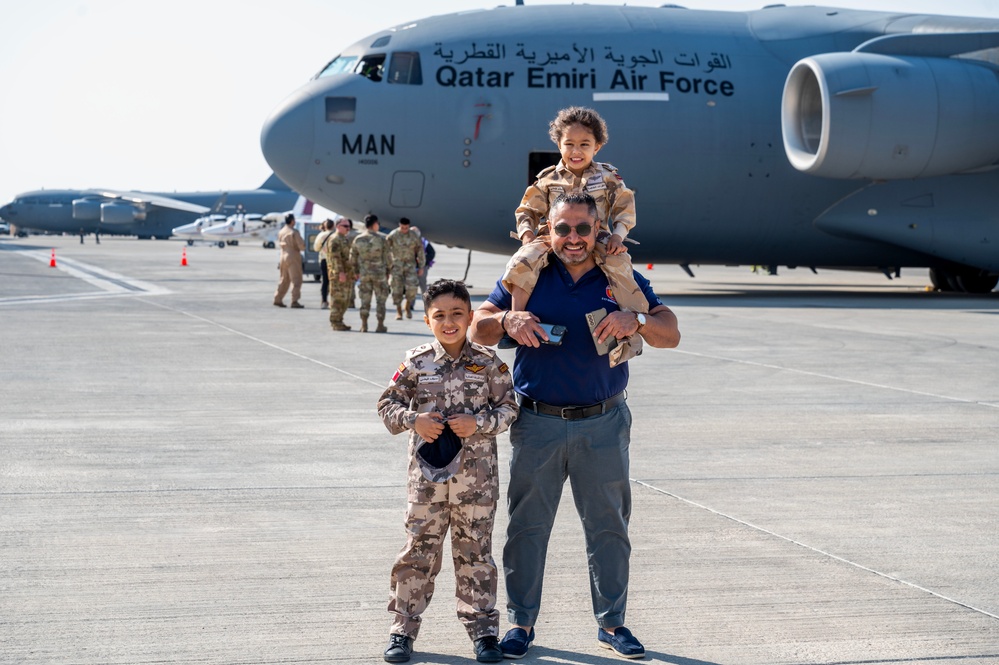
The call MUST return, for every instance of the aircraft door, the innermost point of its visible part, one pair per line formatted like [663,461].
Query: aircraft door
[407,189]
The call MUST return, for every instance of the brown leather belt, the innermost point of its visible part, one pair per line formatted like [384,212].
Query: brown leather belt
[572,412]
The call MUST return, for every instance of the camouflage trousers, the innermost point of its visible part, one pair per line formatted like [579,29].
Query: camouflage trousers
[418,563]
[404,283]
[372,285]
[339,297]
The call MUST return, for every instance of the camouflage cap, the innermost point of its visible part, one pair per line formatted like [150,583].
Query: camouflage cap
[439,459]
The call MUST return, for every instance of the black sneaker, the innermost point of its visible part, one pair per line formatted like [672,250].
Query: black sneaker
[487,650]
[399,650]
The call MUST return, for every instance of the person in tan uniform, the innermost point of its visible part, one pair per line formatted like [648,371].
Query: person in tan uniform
[579,134]
[453,397]
[292,245]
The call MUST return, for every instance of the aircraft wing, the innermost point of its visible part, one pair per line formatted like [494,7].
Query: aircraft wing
[153,199]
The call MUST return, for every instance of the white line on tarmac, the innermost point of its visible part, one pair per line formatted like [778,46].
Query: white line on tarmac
[812,549]
[837,378]
[645,484]
[380,386]
[111,283]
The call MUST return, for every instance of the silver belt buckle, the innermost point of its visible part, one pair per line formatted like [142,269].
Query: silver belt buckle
[564,408]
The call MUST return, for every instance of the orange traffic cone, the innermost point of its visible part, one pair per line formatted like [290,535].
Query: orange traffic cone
[183,257]
[52,263]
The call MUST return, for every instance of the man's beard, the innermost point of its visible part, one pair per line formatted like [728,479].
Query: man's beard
[583,258]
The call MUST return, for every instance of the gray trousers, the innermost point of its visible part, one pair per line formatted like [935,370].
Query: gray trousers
[593,454]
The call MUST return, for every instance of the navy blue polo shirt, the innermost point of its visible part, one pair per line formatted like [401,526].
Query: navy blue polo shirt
[571,373]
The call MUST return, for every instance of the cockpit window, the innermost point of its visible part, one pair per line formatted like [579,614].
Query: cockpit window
[405,68]
[341,109]
[372,67]
[339,65]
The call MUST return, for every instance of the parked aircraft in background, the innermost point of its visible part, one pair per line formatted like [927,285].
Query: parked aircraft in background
[251,225]
[787,136]
[192,232]
[142,214]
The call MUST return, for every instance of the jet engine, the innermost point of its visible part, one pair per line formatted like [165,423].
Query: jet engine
[119,213]
[88,210]
[886,117]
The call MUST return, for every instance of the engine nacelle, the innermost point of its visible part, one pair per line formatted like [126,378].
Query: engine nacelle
[119,213]
[86,210]
[866,115]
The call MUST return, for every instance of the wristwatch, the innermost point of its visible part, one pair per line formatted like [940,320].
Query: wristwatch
[641,321]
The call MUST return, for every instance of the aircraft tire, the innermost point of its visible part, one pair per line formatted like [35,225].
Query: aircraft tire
[190,243]
[221,244]
[976,281]
[942,280]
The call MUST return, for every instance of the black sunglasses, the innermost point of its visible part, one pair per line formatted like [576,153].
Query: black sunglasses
[562,229]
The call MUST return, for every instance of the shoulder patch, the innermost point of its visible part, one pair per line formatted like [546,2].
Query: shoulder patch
[546,171]
[503,368]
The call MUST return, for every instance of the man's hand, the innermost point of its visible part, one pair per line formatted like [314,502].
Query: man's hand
[615,245]
[618,324]
[522,326]
[429,425]
[343,276]
[463,424]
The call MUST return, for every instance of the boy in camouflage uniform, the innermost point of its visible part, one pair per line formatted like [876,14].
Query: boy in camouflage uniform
[341,275]
[449,385]
[371,261]
[408,261]
[579,134]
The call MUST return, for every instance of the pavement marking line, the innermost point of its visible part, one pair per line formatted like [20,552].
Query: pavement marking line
[812,549]
[858,382]
[266,343]
[110,283]
[640,482]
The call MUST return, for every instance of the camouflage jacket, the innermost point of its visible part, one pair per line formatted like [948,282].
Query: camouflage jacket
[337,254]
[369,255]
[476,382]
[615,202]
[406,248]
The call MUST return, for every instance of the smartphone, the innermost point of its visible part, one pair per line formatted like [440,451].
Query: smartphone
[555,333]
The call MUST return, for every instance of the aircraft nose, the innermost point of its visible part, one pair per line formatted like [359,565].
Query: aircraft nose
[288,137]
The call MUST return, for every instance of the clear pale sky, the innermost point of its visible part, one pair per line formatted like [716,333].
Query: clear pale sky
[171,96]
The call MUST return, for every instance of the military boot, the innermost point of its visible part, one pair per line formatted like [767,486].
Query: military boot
[364,324]
[398,312]
[381,325]
[409,309]
[340,326]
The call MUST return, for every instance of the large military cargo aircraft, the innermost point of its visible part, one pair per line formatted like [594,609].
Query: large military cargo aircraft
[142,214]
[787,136]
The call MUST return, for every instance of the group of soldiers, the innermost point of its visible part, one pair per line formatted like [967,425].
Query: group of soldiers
[377,263]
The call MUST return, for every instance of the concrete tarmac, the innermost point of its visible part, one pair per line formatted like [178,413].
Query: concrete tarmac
[191,475]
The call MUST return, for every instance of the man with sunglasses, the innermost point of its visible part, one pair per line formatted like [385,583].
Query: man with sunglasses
[566,382]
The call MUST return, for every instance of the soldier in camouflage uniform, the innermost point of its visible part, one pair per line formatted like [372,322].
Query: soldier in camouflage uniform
[341,275]
[371,262]
[467,387]
[408,262]
[579,133]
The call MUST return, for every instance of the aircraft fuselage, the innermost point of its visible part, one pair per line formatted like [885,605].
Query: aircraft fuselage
[454,125]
